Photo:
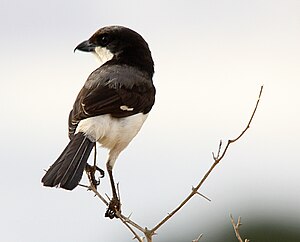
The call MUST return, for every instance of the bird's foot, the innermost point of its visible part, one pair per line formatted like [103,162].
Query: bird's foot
[114,207]
[91,171]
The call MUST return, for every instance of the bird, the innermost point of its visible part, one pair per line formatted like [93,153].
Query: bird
[110,109]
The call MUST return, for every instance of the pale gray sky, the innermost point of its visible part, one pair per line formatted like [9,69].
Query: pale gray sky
[211,58]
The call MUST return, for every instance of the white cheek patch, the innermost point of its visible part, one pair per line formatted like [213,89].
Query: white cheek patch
[126,108]
[103,54]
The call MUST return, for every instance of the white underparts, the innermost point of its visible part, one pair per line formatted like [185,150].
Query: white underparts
[103,54]
[112,133]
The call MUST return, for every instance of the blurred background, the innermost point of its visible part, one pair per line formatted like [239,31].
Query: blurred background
[211,57]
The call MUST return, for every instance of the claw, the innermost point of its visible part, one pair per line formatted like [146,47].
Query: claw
[113,207]
[100,171]
[91,171]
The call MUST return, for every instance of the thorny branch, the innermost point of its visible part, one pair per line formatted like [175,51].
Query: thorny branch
[130,224]
[218,157]
[236,228]
[198,239]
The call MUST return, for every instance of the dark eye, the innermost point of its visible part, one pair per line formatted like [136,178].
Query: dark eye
[104,40]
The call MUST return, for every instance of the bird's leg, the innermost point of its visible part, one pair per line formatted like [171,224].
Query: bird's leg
[115,204]
[91,170]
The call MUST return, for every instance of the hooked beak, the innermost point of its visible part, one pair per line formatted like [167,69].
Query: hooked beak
[86,46]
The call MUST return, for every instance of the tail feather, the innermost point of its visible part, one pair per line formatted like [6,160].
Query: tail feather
[67,170]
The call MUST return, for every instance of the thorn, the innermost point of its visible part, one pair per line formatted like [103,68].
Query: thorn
[107,197]
[85,186]
[129,216]
[207,198]
[213,154]
[198,239]
[196,192]
[239,223]
[138,238]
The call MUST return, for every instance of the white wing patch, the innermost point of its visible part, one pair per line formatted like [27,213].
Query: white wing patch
[126,108]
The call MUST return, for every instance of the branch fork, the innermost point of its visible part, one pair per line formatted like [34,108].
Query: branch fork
[148,233]
[236,228]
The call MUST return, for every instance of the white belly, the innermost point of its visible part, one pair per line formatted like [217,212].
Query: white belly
[112,133]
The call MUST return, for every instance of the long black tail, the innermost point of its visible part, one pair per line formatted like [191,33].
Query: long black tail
[67,170]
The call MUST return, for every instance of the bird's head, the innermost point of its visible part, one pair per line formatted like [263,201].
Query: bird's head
[119,45]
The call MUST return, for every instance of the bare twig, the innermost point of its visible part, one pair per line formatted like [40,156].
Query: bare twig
[198,239]
[131,222]
[236,228]
[93,188]
[200,194]
[220,157]
[217,159]
[150,232]
[125,222]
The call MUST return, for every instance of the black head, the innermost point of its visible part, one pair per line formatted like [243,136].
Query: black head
[120,45]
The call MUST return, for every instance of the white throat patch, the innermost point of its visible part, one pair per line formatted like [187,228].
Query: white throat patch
[103,54]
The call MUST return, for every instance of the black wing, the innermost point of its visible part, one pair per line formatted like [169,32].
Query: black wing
[118,102]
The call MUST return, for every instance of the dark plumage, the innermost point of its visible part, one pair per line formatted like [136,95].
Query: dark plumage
[112,105]
[68,168]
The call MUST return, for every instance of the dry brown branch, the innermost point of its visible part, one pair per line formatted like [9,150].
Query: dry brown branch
[91,187]
[236,228]
[130,224]
[218,157]
[136,236]
[125,220]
